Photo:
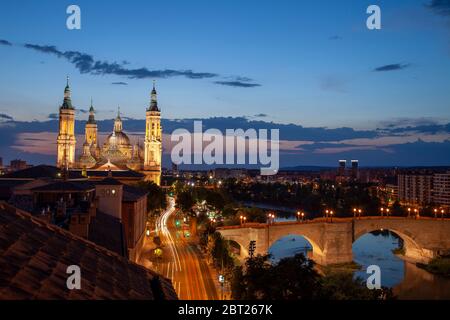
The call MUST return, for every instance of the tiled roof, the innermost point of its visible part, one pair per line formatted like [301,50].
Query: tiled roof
[66,186]
[107,231]
[115,174]
[40,171]
[34,257]
[109,182]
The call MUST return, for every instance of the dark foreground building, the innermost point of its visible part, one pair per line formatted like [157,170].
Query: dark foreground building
[34,256]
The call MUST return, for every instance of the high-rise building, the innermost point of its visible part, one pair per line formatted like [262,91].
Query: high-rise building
[66,138]
[415,189]
[441,189]
[341,168]
[355,170]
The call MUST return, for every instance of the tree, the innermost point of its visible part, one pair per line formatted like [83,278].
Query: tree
[185,201]
[156,198]
[295,278]
[342,286]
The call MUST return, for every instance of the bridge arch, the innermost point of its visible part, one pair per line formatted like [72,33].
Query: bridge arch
[413,248]
[317,250]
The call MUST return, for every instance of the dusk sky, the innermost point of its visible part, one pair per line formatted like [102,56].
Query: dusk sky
[313,64]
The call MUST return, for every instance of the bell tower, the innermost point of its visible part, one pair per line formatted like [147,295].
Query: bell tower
[153,139]
[66,138]
[91,132]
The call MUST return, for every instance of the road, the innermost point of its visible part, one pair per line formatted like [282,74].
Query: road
[182,261]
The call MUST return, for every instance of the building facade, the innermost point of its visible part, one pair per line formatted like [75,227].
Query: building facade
[415,189]
[441,189]
[117,152]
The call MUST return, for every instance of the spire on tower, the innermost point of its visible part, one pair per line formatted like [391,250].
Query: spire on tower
[91,113]
[118,122]
[153,100]
[67,103]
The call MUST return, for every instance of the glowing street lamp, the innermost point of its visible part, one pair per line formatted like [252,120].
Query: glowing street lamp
[382,211]
[409,212]
[241,218]
[359,212]
[354,212]
[303,216]
[387,212]
[416,213]
[435,213]
[245,219]
[442,213]
[331,215]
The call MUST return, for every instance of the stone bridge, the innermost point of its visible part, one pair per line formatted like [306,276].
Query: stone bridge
[331,242]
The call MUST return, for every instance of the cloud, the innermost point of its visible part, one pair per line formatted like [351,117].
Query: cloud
[7,117]
[237,84]
[5,43]
[392,67]
[408,122]
[53,116]
[440,7]
[86,63]
[335,37]
[120,83]
[261,115]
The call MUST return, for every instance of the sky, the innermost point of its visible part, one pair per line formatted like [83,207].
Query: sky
[299,64]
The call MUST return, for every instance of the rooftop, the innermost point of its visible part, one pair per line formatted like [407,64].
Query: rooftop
[34,257]
[41,171]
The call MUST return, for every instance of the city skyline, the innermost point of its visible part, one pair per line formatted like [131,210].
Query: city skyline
[334,88]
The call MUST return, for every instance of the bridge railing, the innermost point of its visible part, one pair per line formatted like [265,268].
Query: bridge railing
[259,225]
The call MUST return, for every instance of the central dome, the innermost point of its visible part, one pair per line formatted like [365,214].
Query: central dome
[118,138]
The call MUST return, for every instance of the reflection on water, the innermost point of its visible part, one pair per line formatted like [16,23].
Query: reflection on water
[289,246]
[407,280]
[377,249]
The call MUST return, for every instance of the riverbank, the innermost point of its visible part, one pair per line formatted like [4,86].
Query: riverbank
[439,266]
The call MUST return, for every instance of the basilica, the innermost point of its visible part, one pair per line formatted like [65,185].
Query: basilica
[117,152]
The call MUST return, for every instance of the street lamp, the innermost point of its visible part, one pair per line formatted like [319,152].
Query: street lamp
[245,219]
[331,215]
[409,212]
[354,212]
[435,213]
[359,212]
[382,211]
[416,213]
[241,218]
[442,213]
[303,216]
[326,213]
[387,212]
[298,215]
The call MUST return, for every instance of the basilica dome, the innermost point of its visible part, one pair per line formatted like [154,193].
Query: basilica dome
[120,139]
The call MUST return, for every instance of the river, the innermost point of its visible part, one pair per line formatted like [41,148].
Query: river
[405,278]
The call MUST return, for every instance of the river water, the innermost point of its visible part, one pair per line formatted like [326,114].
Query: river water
[407,280]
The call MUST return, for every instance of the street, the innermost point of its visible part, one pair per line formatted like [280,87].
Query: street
[182,260]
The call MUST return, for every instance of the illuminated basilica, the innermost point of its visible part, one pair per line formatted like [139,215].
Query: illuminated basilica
[117,152]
